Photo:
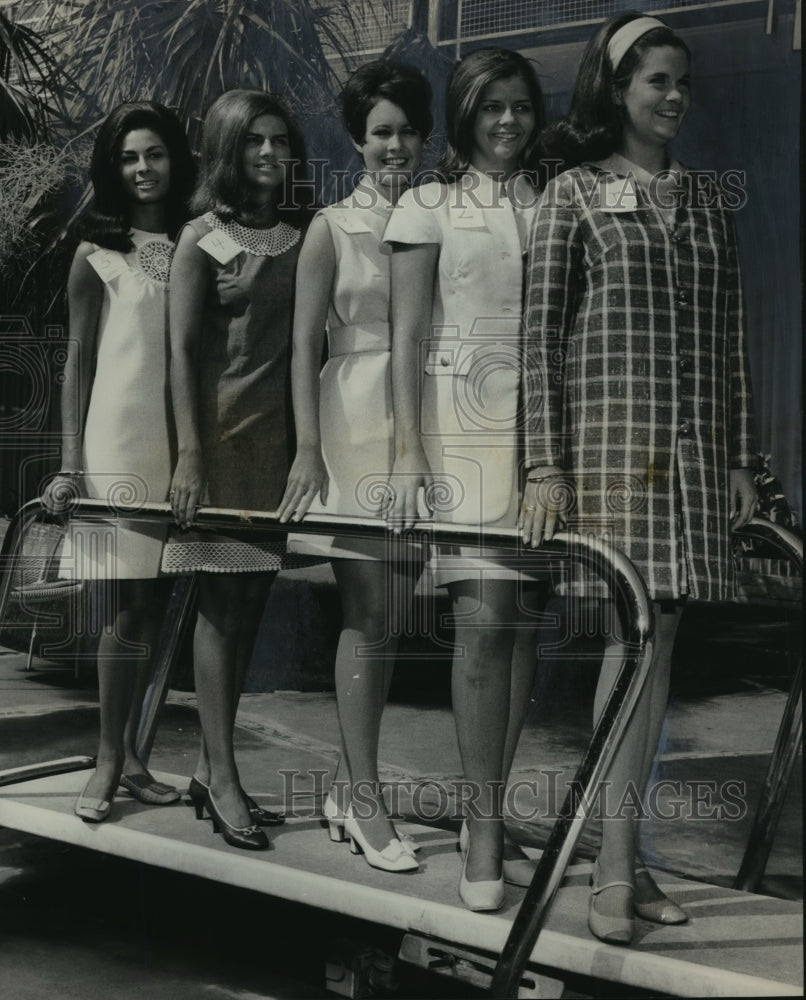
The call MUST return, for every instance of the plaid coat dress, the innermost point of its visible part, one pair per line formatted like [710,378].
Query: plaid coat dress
[637,374]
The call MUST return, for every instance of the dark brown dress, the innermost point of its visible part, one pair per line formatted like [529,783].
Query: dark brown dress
[244,410]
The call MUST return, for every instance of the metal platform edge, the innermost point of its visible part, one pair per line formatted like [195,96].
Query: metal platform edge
[558,951]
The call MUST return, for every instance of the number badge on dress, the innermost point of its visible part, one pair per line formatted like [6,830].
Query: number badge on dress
[108,264]
[220,246]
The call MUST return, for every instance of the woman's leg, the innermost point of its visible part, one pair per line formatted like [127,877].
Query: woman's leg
[371,595]
[254,592]
[485,630]
[149,599]
[124,658]
[403,582]
[654,903]
[666,625]
[531,599]
[228,618]
[627,774]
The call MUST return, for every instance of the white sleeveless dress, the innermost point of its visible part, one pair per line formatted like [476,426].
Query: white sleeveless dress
[127,437]
[355,402]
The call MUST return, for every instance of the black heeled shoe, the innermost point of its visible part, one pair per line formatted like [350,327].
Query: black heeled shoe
[261,816]
[197,793]
[249,838]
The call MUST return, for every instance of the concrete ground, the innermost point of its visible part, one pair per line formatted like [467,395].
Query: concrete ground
[76,924]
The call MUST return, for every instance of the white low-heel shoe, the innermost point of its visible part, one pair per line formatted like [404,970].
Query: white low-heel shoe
[518,871]
[393,858]
[334,819]
[616,929]
[481,897]
[651,903]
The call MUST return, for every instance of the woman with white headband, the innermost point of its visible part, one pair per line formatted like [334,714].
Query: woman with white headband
[634,323]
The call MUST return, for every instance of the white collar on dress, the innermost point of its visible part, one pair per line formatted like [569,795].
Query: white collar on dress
[618,164]
[365,194]
[518,190]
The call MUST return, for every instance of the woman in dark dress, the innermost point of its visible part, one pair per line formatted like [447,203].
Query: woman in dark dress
[232,287]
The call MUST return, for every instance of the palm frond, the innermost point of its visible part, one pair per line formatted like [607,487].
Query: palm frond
[186,52]
[30,81]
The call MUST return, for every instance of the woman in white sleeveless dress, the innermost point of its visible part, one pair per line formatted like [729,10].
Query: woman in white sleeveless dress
[345,433]
[457,277]
[115,423]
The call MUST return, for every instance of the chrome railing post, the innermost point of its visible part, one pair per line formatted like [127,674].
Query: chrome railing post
[788,739]
[179,618]
[10,551]
[635,613]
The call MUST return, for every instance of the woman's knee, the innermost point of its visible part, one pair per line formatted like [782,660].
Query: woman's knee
[372,619]
[227,605]
[483,649]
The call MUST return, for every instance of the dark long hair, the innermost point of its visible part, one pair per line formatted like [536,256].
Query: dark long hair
[221,188]
[109,223]
[386,80]
[594,127]
[470,77]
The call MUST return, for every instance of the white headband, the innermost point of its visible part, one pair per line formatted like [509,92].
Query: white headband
[628,34]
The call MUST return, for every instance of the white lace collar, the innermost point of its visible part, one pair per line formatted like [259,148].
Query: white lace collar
[260,242]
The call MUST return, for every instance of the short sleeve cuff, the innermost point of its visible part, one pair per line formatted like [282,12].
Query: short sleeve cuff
[414,220]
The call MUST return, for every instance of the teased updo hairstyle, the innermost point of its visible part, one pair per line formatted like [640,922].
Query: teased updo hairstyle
[221,187]
[391,81]
[467,84]
[594,126]
[109,223]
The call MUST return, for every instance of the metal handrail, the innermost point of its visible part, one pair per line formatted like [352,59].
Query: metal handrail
[559,848]
[788,739]
[12,540]
[634,611]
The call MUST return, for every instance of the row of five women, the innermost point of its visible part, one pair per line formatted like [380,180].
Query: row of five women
[457,279]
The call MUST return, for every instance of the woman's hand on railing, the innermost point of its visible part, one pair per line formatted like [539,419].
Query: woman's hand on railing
[409,472]
[743,497]
[186,489]
[62,490]
[307,478]
[547,498]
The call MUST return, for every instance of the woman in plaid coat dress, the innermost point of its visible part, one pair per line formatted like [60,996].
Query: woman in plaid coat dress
[639,371]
